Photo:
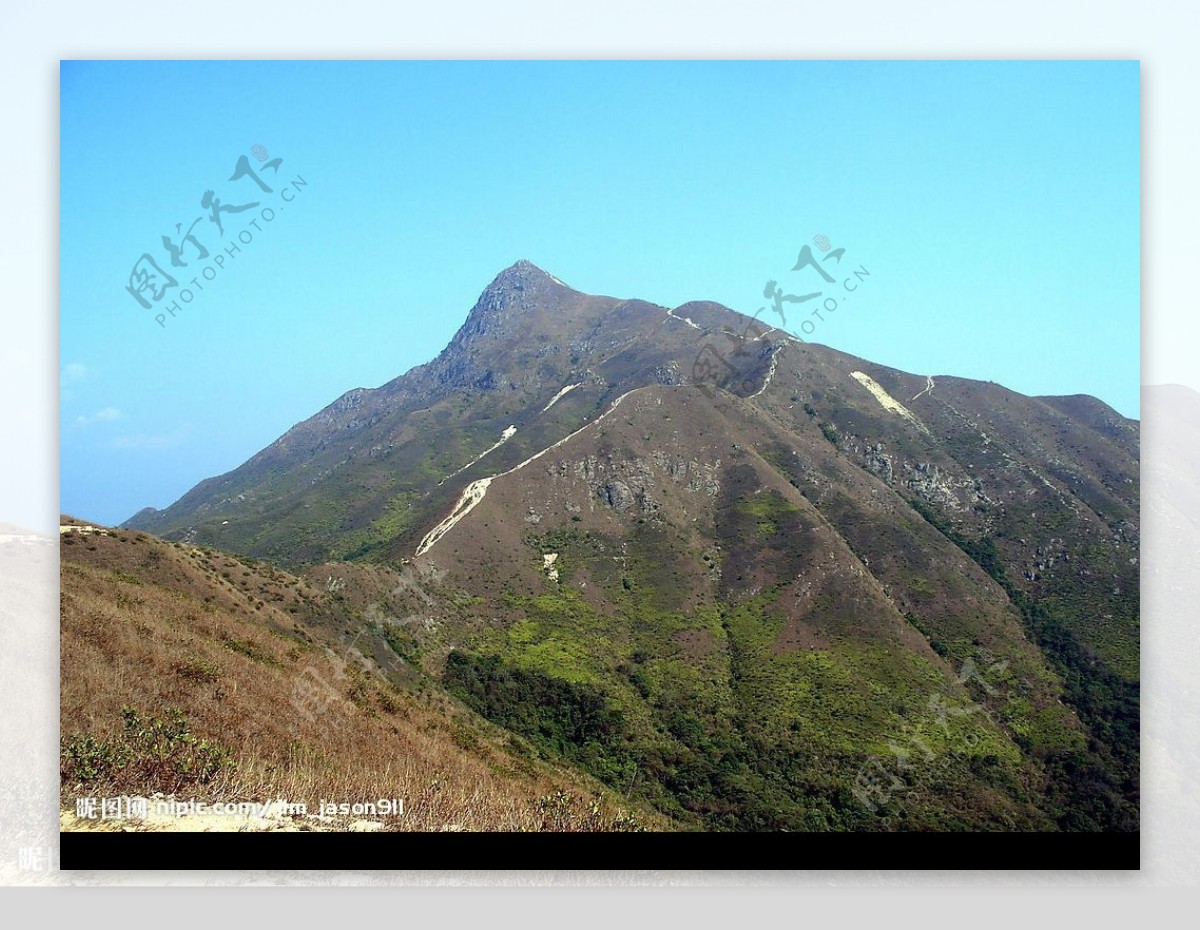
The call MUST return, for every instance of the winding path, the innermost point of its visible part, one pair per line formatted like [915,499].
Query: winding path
[477,490]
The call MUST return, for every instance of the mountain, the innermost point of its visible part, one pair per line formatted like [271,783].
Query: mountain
[758,583]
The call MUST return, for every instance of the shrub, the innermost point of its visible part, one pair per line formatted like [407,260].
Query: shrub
[152,754]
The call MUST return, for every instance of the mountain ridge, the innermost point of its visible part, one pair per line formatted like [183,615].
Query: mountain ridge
[762,560]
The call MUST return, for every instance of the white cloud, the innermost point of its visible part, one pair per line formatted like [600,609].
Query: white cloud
[103,415]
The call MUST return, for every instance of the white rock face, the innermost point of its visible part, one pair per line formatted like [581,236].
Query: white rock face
[504,437]
[886,400]
[82,530]
[548,561]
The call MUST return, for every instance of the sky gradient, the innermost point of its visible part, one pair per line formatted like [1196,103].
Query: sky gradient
[996,206]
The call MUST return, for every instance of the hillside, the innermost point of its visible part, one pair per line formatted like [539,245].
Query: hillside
[189,673]
[757,583]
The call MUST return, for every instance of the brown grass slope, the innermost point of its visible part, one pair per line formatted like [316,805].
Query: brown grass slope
[197,675]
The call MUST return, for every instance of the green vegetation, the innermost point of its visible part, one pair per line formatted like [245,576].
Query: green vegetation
[399,515]
[572,720]
[153,751]
[765,509]
[701,714]
[402,643]
[1093,788]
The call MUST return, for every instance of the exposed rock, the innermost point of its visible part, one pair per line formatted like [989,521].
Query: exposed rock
[927,481]
[668,374]
[618,495]
[878,461]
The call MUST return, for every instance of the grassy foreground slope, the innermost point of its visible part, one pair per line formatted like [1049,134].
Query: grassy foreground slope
[192,674]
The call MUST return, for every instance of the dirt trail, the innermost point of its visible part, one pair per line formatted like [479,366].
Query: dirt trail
[477,490]
[504,437]
[770,373]
[470,498]
[683,319]
[564,391]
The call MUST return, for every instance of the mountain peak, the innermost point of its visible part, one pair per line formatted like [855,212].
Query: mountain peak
[524,275]
[519,287]
[524,265]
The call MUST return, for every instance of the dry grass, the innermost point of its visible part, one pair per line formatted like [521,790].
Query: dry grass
[232,698]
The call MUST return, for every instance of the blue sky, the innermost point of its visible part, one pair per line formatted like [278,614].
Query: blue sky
[995,204]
